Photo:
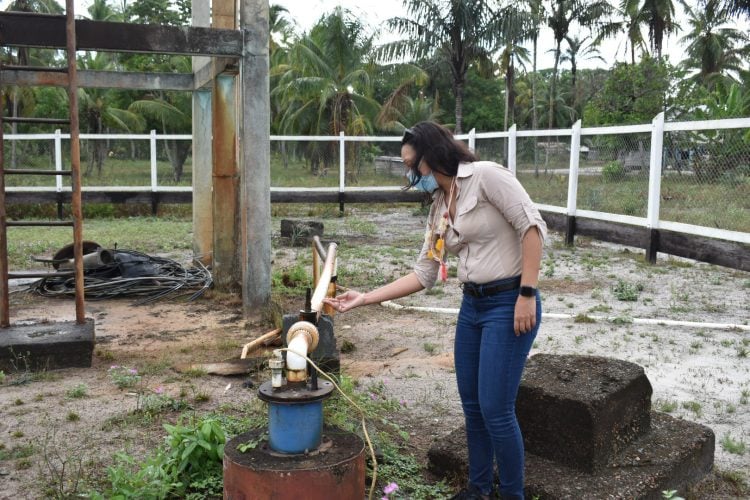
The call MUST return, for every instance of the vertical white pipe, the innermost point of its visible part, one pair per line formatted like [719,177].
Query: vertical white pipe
[473,139]
[575,155]
[153,160]
[512,148]
[655,165]
[58,160]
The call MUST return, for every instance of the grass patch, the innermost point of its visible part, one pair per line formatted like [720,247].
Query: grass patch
[730,445]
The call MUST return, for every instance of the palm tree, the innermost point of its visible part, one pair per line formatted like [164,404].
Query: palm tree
[516,29]
[713,48]
[577,51]
[457,33]
[537,14]
[400,111]
[324,88]
[659,15]
[628,19]
[563,14]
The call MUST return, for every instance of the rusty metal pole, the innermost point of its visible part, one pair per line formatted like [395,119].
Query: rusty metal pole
[255,163]
[75,158]
[226,175]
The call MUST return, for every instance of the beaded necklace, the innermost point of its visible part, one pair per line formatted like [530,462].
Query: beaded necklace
[435,234]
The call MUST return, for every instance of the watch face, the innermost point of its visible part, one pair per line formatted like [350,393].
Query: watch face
[528,291]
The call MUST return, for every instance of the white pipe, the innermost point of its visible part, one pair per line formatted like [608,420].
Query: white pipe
[642,321]
[298,345]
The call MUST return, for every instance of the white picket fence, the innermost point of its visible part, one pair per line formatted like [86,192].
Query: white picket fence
[575,135]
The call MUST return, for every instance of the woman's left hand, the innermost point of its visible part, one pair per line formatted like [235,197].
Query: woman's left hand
[524,317]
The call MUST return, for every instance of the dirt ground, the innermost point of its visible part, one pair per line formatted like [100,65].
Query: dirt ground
[699,365]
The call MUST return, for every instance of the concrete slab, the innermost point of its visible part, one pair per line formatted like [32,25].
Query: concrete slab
[36,346]
[673,455]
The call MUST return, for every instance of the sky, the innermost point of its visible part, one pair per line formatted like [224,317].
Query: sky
[373,12]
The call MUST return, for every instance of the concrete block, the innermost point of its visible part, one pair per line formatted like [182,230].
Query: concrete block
[674,455]
[580,411]
[37,346]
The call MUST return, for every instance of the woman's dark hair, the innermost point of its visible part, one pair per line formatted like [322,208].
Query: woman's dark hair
[435,144]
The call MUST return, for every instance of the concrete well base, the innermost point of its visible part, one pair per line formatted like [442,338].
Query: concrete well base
[39,346]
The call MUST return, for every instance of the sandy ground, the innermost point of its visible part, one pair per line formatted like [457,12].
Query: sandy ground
[700,371]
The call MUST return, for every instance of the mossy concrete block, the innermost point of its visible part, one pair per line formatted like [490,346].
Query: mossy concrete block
[674,455]
[36,346]
[580,411]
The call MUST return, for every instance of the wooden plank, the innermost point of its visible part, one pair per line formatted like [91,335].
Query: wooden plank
[720,252]
[613,232]
[39,30]
[100,79]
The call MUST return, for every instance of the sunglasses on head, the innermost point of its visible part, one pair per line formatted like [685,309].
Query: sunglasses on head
[408,136]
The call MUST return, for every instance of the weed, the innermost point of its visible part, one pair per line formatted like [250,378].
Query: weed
[603,308]
[123,377]
[626,291]
[105,355]
[742,352]
[347,346]
[18,402]
[77,392]
[202,397]
[73,417]
[666,406]
[2,377]
[693,406]
[583,318]
[17,434]
[622,320]
[429,348]
[671,495]
[732,446]
[17,452]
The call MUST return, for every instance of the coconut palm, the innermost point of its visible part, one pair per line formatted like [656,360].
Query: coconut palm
[517,28]
[400,111]
[324,88]
[576,51]
[659,16]
[456,33]
[714,49]
[628,19]
[564,14]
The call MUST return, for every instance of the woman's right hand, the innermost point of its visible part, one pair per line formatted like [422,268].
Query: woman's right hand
[346,301]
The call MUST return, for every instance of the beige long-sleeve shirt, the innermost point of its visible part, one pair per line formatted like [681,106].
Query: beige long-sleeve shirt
[493,213]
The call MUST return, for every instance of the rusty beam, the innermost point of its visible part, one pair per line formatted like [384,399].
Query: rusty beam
[39,30]
[100,79]
[205,74]
[226,203]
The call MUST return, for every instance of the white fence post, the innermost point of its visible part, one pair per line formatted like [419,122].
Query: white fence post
[575,155]
[512,148]
[342,169]
[58,160]
[473,139]
[153,160]
[572,207]
[654,181]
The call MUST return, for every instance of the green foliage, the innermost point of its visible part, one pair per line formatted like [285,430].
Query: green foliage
[632,94]
[123,377]
[732,445]
[613,171]
[627,291]
[188,465]
[290,280]
[77,392]
[403,469]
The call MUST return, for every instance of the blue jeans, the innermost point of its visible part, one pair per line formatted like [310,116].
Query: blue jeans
[489,362]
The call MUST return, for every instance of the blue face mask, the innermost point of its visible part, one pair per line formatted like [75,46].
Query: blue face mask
[426,183]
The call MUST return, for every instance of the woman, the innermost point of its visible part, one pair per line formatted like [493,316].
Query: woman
[482,214]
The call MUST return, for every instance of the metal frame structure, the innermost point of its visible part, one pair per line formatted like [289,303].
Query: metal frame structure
[75,174]
[237,48]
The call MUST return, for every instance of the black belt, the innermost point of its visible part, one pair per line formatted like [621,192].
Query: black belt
[484,290]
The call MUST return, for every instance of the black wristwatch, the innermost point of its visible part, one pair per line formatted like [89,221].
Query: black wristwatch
[528,291]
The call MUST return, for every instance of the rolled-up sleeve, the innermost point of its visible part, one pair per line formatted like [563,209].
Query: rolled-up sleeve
[506,194]
[425,268]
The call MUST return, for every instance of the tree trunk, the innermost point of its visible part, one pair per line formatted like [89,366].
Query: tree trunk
[534,118]
[459,88]
[553,88]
